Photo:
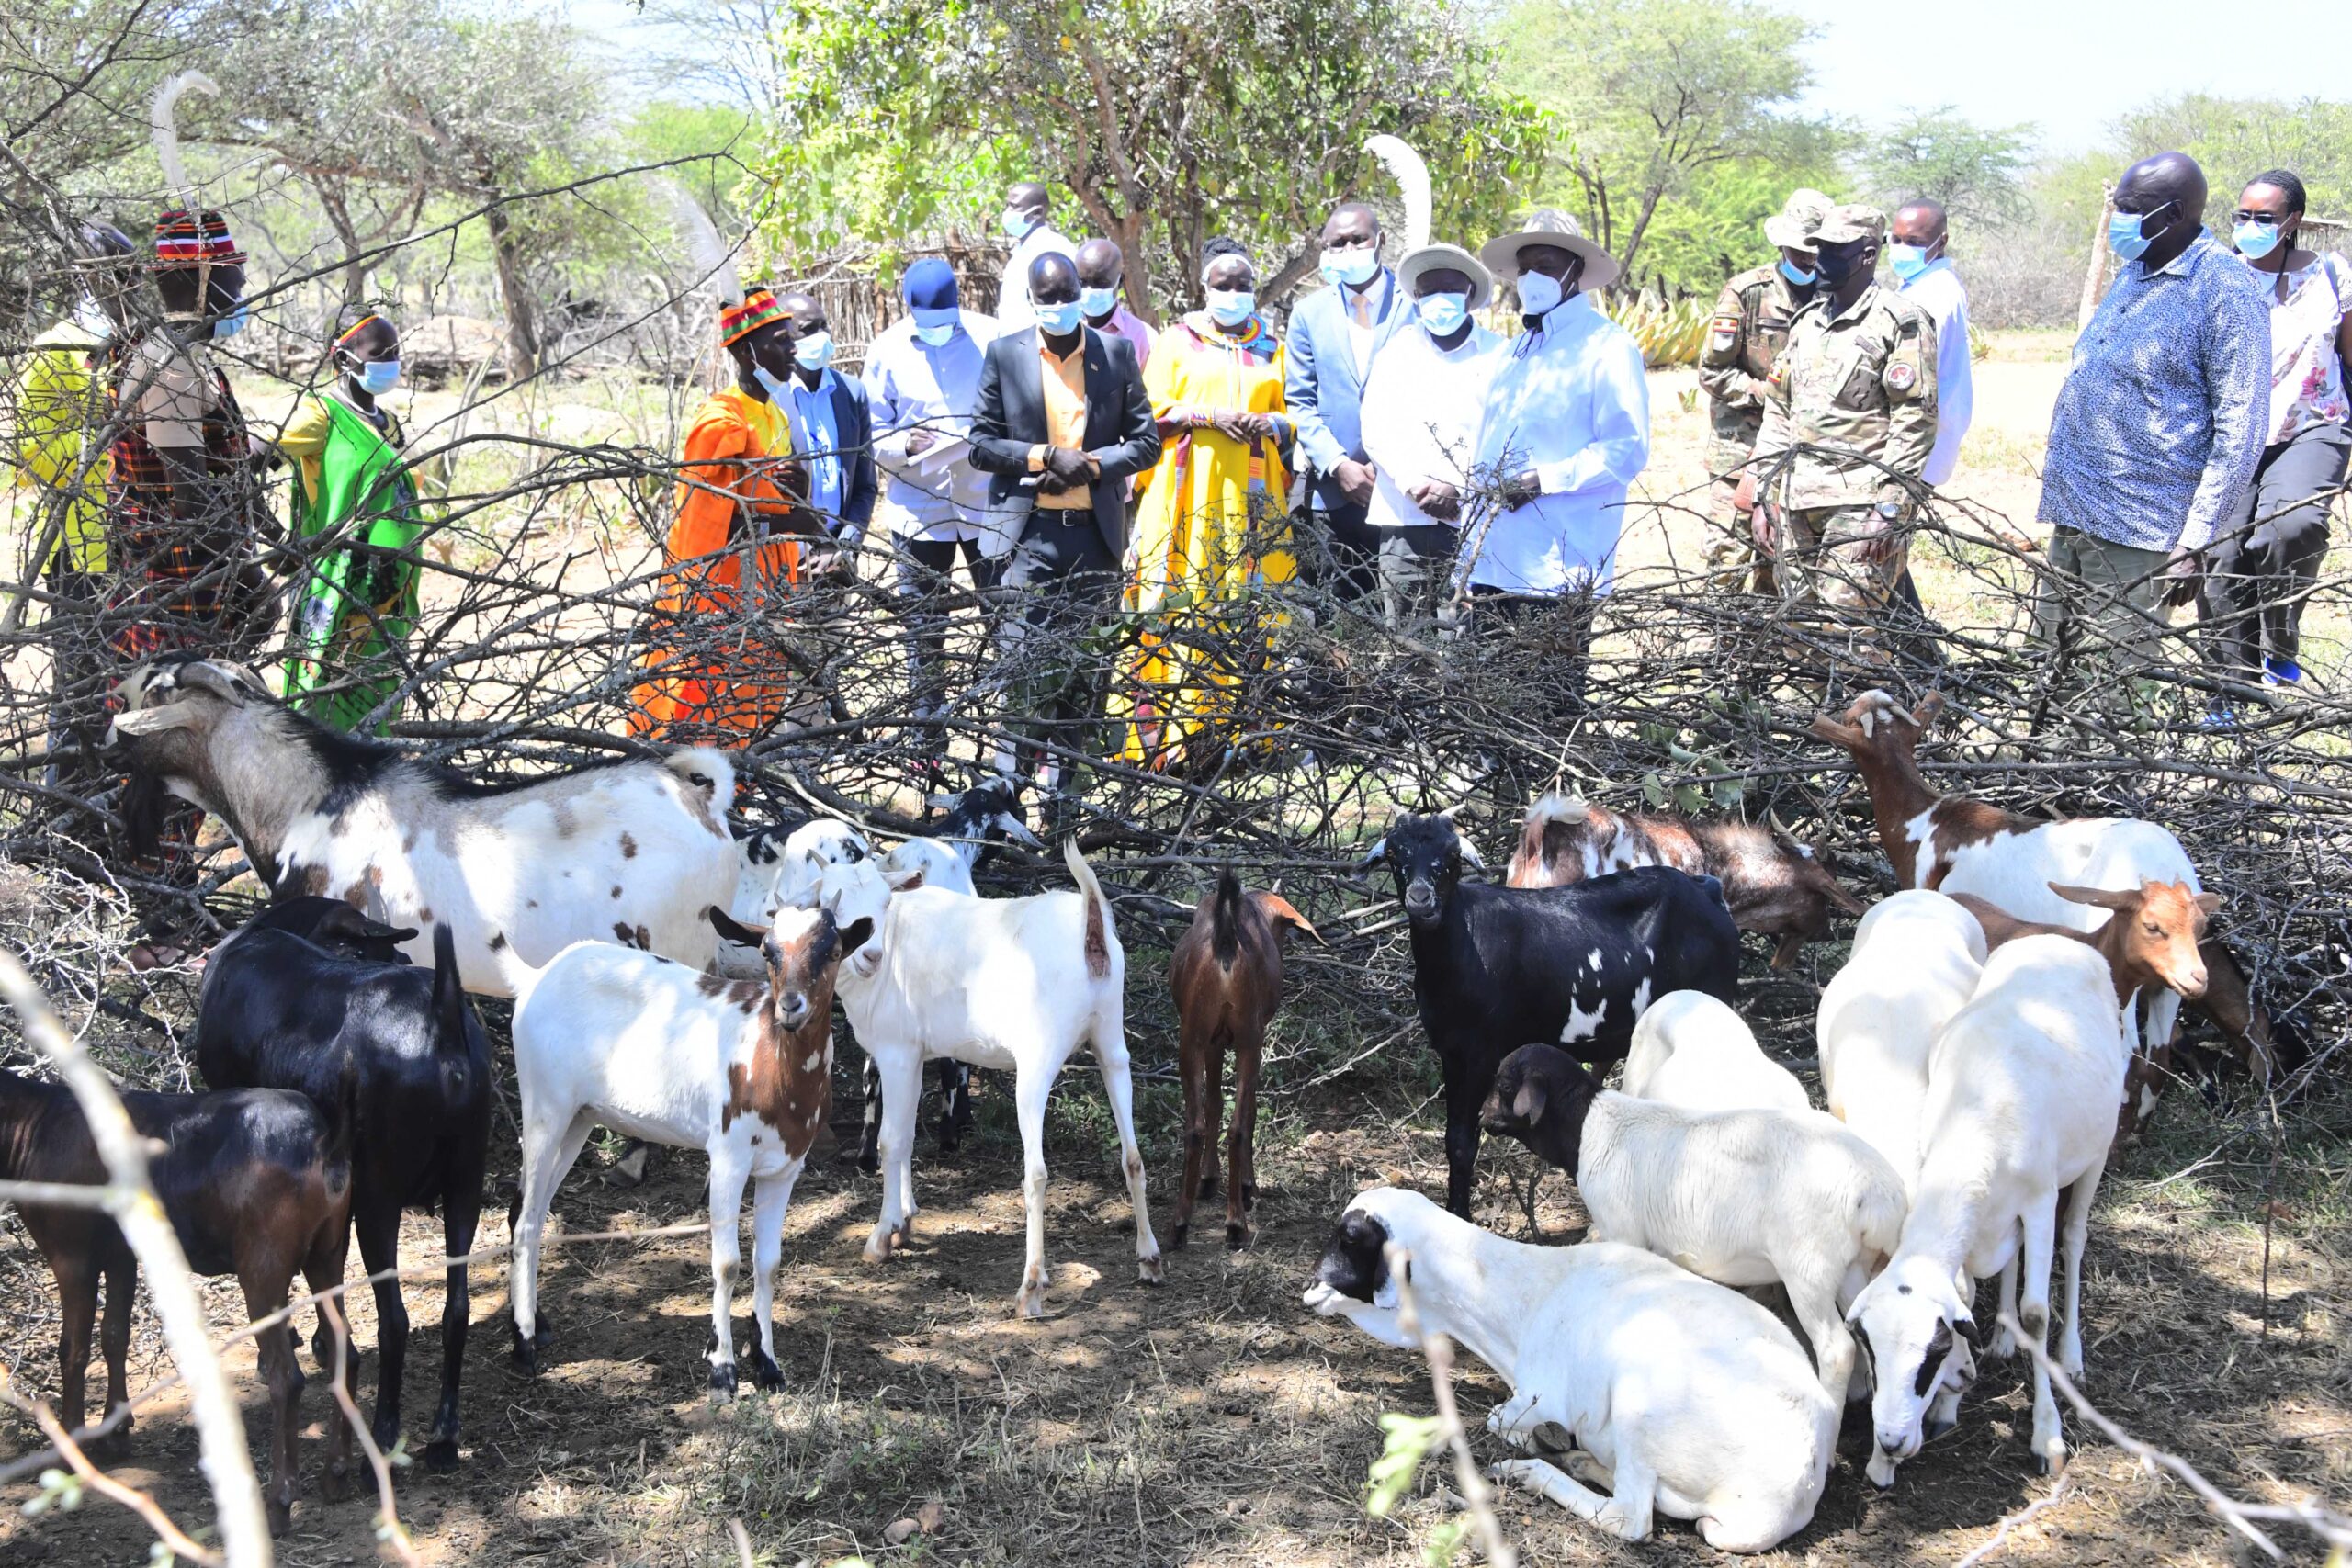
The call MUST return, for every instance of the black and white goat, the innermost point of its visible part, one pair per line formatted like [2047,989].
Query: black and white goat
[1496,967]
[282,1009]
[631,852]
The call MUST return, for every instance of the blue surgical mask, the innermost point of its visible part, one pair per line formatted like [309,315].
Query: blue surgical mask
[1538,292]
[2126,236]
[1016,222]
[814,351]
[1060,320]
[1231,307]
[1098,302]
[1442,314]
[376,377]
[936,325]
[233,323]
[1354,266]
[777,392]
[1907,261]
[1801,279]
[2255,241]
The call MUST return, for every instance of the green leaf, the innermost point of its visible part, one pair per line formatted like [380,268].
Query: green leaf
[1652,791]
[1407,1441]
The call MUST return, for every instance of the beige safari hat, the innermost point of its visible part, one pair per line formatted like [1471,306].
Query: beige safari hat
[1550,226]
[1846,224]
[1795,224]
[1446,258]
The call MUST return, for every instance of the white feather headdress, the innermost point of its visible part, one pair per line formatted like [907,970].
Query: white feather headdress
[712,257]
[163,115]
[1412,176]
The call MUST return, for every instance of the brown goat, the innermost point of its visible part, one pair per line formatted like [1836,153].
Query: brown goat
[2150,942]
[1227,977]
[255,1182]
[1774,886]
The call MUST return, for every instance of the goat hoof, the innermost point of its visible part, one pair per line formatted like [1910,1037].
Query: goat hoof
[1182,1234]
[1151,1270]
[441,1455]
[722,1383]
[525,1355]
[765,1373]
[387,1433]
[869,1162]
[335,1483]
[1237,1237]
[281,1514]
[1208,1186]
[877,1247]
[2004,1344]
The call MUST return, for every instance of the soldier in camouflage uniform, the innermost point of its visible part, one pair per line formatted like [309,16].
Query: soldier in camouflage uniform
[1750,323]
[1857,376]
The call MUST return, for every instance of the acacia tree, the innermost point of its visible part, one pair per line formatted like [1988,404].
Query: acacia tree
[1653,93]
[1977,172]
[1167,121]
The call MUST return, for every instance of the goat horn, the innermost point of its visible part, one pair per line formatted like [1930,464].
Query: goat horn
[220,680]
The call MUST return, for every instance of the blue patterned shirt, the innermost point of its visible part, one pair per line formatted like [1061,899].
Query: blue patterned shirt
[2161,421]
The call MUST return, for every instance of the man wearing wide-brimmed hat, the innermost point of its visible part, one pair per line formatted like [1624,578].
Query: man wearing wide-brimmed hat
[1751,322]
[1419,421]
[1566,430]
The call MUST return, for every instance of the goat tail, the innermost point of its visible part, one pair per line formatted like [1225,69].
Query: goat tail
[342,1124]
[1224,920]
[448,990]
[1097,911]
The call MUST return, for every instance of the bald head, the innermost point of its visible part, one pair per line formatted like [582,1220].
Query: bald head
[1099,265]
[1028,196]
[1920,222]
[2167,176]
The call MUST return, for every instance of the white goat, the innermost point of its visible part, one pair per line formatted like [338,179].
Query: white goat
[1015,983]
[1691,1051]
[1915,961]
[774,872]
[1684,1398]
[741,1070]
[1739,1197]
[2021,1093]
[633,852]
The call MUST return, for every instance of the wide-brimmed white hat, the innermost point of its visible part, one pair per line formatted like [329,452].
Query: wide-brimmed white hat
[1446,258]
[1550,226]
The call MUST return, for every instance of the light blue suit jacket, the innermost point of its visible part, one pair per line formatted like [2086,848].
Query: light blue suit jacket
[1325,386]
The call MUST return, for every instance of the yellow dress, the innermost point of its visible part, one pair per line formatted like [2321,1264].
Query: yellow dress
[1212,528]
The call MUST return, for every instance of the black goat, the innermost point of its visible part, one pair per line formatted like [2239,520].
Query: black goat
[1496,968]
[257,1183]
[334,925]
[281,1010]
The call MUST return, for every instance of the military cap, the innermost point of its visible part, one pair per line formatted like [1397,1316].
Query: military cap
[1849,223]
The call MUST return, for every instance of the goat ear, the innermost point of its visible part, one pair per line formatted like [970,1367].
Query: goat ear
[2209,902]
[1372,856]
[221,680]
[1837,733]
[1470,853]
[2098,897]
[905,881]
[940,802]
[1528,1103]
[1930,707]
[155,721]
[1012,828]
[1278,909]
[733,930]
[856,934]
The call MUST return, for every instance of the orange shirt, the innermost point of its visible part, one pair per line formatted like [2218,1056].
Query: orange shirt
[1064,379]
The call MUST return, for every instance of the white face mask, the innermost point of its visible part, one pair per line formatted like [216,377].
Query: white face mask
[813,351]
[1231,307]
[1353,266]
[936,336]
[1538,292]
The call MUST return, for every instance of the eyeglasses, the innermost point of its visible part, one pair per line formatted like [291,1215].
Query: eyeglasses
[2249,215]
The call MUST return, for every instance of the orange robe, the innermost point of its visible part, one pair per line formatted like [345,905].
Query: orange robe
[710,677]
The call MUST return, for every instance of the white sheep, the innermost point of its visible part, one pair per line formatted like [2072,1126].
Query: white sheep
[1740,1197]
[2021,1093]
[1692,1051]
[1915,962]
[1014,983]
[1684,1398]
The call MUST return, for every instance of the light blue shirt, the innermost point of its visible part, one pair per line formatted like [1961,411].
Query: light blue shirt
[1014,311]
[911,385]
[1570,402]
[815,433]
[1938,292]
[2160,423]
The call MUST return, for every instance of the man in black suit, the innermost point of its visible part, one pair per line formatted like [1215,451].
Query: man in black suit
[1063,421]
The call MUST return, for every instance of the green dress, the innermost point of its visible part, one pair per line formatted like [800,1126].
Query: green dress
[354,604]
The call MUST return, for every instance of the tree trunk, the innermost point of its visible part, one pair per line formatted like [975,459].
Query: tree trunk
[522,316]
[1131,231]
[1650,200]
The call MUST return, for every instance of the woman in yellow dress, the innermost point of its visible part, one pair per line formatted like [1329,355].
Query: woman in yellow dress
[1213,525]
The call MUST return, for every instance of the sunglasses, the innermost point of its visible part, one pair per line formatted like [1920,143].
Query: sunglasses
[2248,215]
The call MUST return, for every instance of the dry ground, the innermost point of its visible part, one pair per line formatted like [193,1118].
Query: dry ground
[1213,1421]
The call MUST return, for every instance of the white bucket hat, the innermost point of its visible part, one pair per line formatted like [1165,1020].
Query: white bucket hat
[1446,258]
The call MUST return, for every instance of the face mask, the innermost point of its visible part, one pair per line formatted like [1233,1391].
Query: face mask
[376,377]
[1355,266]
[1231,307]
[2255,240]
[813,351]
[1016,222]
[935,333]
[1538,292]
[1098,302]
[1838,270]
[92,320]
[776,390]
[1057,320]
[233,323]
[1801,279]
[2126,235]
[1442,314]
[1908,261]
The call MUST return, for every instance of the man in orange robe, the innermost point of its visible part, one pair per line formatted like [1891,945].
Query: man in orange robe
[712,675]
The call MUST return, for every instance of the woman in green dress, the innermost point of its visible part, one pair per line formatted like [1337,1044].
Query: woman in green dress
[356,521]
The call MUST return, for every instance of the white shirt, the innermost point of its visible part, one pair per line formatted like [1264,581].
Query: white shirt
[1013,311]
[1420,417]
[911,384]
[1569,401]
[1937,291]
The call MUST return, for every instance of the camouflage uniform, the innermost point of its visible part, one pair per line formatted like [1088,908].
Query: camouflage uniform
[1862,380]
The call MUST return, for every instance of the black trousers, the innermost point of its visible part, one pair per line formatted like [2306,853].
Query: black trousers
[1352,545]
[926,569]
[2268,551]
[1065,583]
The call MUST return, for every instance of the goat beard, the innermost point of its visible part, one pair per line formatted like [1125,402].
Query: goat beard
[143,806]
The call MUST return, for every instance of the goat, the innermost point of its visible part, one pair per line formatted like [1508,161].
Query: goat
[1496,966]
[759,855]
[1691,1051]
[1738,1197]
[738,1069]
[334,925]
[1955,845]
[1227,974]
[1016,984]
[281,1009]
[2020,1091]
[772,870]
[1915,961]
[255,1182]
[1682,1398]
[632,851]
[1774,886]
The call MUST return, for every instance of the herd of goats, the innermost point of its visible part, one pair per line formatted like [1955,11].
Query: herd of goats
[1998,1023]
